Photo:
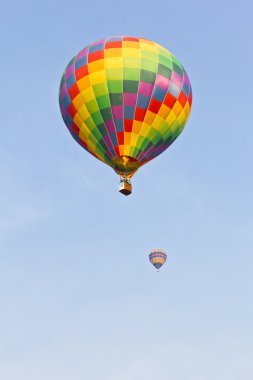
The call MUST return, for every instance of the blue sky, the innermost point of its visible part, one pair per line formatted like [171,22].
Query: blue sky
[78,297]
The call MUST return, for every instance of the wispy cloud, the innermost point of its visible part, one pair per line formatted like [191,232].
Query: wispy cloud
[19,206]
[15,217]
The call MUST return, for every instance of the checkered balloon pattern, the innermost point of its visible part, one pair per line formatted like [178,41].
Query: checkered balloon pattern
[125,97]
[157,257]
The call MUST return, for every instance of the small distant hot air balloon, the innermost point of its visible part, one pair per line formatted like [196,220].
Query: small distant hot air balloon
[125,100]
[157,257]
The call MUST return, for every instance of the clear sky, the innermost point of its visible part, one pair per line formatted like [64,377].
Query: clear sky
[78,297]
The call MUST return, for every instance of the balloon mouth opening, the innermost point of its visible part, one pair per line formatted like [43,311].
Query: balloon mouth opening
[125,166]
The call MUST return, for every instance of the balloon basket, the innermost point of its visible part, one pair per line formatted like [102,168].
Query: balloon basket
[125,186]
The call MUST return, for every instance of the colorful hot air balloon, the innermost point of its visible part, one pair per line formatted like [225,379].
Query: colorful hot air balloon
[157,257]
[125,100]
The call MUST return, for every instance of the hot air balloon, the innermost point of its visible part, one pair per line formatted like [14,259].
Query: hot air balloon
[157,257]
[125,100]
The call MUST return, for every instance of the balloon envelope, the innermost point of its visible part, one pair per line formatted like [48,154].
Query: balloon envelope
[125,100]
[157,257]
